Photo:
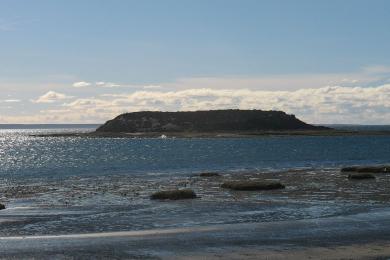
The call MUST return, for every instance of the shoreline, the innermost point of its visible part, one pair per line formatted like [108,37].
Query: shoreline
[359,236]
[378,250]
[215,134]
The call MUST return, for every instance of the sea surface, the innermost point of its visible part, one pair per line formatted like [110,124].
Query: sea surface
[67,185]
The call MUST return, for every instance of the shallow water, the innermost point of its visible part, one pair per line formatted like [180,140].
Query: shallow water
[78,185]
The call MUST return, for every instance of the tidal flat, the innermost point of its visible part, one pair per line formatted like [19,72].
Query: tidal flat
[115,215]
[122,202]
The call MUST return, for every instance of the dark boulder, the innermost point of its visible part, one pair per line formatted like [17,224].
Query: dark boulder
[2,206]
[360,176]
[209,174]
[373,169]
[173,195]
[252,185]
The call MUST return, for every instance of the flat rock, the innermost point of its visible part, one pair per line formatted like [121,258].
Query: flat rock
[173,195]
[252,185]
[209,174]
[363,169]
[360,176]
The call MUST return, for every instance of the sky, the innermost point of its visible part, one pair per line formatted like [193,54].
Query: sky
[84,61]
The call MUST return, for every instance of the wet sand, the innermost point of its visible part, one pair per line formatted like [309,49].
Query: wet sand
[356,252]
[361,236]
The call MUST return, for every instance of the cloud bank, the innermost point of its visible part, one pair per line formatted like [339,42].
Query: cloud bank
[334,104]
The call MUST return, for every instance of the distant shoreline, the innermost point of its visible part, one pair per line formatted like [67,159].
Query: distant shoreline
[251,134]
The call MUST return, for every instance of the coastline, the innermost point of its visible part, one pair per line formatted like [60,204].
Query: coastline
[250,134]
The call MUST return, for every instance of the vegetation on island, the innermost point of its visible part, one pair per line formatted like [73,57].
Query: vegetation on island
[205,121]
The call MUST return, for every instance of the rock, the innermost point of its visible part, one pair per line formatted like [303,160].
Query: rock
[209,174]
[360,176]
[252,185]
[2,206]
[373,169]
[173,195]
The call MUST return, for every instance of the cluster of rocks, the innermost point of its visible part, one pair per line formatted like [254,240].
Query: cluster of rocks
[355,173]
[248,184]
[242,185]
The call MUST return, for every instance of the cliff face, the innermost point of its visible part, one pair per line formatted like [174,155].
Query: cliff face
[205,121]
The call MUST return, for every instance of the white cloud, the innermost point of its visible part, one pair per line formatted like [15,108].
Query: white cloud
[100,83]
[51,97]
[106,84]
[12,100]
[81,84]
[103,84]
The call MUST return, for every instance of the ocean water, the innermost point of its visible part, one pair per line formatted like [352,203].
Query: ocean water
[23,155]
[61,185]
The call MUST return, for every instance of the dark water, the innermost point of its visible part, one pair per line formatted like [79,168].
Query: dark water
[75,185]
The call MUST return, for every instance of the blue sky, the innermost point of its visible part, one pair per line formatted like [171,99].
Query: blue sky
[60,59]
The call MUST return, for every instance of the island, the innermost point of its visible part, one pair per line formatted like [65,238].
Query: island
[209,123]
[232,120]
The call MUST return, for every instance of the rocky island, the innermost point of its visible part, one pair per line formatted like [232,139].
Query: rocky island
[209,123]
[212,121]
